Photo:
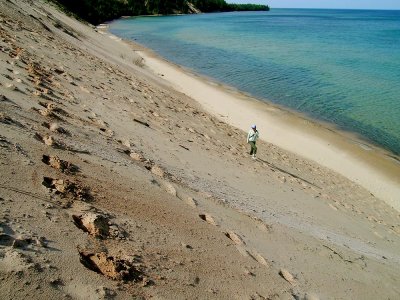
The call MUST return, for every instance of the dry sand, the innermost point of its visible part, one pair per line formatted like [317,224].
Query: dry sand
[116,186]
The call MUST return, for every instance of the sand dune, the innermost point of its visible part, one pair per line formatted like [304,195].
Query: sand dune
[116,185]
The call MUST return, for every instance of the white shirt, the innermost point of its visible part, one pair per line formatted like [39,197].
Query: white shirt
[252,136]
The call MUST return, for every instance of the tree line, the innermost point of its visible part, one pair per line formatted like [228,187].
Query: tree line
[98,11]
[222,6]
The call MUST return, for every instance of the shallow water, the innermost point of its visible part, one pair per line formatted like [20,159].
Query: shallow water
[339,66]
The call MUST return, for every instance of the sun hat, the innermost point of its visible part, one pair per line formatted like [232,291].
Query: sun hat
[253,126]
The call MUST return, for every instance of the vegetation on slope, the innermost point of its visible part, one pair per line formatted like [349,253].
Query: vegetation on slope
[97,11]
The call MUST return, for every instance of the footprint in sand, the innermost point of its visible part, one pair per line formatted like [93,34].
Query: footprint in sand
[187,199]
[169,188]
[68,188]
[136,156]
[93,223]
[112,267]
[126,143]
[55,127]
[190,201]
[209,219]
[258,257]
[49,141]
[59,164]
[157,170]
[261,225]
[98,225]
[287,276]
[48,113]
[252,254]
[235,238]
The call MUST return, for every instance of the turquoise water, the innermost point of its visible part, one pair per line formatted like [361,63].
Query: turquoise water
[339,66]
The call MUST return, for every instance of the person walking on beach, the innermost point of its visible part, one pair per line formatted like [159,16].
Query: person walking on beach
[252,137]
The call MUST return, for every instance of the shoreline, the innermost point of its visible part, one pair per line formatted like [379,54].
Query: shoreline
[112,173]
[374,168]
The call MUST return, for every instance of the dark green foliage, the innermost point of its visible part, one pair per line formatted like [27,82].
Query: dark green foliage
[222,6]
[97,11]
[247,7]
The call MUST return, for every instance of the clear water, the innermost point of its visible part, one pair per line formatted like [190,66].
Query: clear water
[339,66]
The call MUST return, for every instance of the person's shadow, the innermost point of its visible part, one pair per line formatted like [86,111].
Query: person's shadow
[286,172]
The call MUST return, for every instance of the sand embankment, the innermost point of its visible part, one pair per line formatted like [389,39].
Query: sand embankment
[116,186]
[364,164]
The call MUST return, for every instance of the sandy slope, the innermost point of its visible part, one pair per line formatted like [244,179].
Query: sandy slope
[114,185]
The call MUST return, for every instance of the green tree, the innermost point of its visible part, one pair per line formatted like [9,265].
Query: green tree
[97,11]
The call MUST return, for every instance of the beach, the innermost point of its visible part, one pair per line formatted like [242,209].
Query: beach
[125,176]
[372,168]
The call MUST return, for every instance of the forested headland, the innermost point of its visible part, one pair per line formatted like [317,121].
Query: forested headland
[98,11]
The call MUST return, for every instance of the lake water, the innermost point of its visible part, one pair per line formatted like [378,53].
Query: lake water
[338,66]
